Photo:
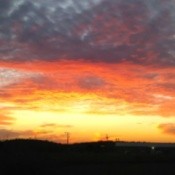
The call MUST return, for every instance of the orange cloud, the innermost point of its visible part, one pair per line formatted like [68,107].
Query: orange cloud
[144,90]
[6,120]
[167,128]
[167,108]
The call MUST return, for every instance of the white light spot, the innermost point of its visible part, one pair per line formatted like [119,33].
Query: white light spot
[152,148]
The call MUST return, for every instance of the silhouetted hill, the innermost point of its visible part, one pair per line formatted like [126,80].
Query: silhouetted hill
[30,157]
[34,145]
[29,145]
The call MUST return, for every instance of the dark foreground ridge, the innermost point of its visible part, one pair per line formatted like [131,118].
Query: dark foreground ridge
[27,156]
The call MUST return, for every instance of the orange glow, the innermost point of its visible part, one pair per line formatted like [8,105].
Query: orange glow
[89,100]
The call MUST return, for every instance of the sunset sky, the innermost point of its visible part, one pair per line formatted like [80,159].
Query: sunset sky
[88,67]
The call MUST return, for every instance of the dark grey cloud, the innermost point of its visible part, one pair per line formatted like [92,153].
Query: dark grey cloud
[91,82]
[95,30]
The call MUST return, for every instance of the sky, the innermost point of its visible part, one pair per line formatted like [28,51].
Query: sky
[96,69]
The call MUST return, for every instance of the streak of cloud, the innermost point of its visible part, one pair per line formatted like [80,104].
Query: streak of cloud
[54,125]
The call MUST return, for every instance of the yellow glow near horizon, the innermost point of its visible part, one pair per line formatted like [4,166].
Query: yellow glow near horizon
[86,127]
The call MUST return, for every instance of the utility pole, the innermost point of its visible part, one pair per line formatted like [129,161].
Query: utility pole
[107,137]
[67,137]
[117,140]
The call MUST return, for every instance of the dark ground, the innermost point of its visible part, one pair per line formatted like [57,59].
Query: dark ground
[31,157]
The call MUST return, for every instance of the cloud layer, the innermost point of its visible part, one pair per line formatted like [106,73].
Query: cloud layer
[102,88]
[93,30]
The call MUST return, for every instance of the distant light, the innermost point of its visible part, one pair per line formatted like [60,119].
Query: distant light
[152,148]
